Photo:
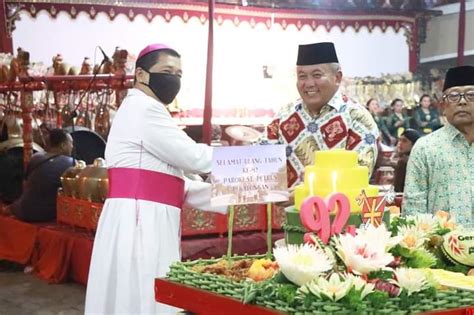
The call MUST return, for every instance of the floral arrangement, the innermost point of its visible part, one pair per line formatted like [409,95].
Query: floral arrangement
[422,237]
[356,270]
[373,270]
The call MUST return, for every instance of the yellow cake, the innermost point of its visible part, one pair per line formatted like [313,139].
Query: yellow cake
[335,171]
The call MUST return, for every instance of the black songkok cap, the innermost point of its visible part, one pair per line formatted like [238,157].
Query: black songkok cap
[459,76]
[318,53]
[411,135]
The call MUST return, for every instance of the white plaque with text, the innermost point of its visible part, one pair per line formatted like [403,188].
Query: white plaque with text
[249,174]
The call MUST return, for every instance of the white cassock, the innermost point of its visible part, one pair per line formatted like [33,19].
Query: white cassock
[137,240]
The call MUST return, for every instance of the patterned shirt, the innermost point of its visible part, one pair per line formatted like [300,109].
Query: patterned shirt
[341,123]
[440,175]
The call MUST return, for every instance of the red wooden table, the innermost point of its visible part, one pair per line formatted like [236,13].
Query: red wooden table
[203,302]
[200,301]
[456,311]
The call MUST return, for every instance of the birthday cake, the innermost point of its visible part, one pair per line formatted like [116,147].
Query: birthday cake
[335,172]
[342,259]
[370,271]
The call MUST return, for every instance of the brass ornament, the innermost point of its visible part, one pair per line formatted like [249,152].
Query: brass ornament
[69,179]
[93,182]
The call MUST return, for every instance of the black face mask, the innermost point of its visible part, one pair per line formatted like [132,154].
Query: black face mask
[164,85]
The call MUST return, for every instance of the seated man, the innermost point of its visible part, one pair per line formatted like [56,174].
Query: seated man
[440,172]
[406,141]
[38,200]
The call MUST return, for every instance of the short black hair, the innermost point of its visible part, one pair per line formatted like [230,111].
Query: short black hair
[423,96]
[395,101]
[411,134]
[369,101]
[150,59]
[57,137]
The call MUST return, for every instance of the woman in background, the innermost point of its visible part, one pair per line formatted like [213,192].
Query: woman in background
[373,107]
[426,116]
[397,122]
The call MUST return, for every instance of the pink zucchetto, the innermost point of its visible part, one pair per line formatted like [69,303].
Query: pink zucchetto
[151,48]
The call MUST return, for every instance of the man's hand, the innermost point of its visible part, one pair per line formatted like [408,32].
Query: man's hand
[291,200]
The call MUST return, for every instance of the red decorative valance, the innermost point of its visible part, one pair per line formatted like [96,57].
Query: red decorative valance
[406,21]
[237,15]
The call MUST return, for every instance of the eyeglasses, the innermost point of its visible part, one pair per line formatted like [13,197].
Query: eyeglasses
[455,97]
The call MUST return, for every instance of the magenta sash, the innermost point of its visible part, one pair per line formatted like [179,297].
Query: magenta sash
[133,183]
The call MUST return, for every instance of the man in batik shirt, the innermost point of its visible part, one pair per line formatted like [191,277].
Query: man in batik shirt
[323,118]
[440,172]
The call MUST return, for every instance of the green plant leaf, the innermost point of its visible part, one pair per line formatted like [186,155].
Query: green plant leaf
[443,231]
[397,222]
[381,274]
[287,292]
[421,259]
[398,250]
[377,298]
[353,301]
[309,299]
[280,278]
